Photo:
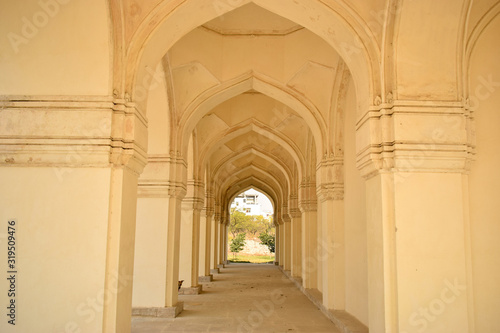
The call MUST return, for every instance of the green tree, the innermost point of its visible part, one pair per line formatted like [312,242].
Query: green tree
[269,240]
[239,222]
[237,244]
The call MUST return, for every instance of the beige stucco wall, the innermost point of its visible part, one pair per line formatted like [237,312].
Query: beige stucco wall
[355,221]
[483,186]
[426,61]
[51,49]
[60,246]
[150,253]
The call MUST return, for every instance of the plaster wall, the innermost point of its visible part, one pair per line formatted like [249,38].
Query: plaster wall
[430,257]
[356,296]
[158,114]
[205,58]
[52,49]
[483,186]
[61,237]
[426,61]
[150,253]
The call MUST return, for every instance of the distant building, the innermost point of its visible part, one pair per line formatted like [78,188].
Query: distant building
[250,203]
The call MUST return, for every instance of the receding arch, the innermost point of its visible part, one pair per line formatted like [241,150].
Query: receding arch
[270,180]
[257,152]
[259,128]
[253,182]
[334,21]
[271,88]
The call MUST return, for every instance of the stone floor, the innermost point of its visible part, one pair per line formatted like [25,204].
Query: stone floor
[243,298]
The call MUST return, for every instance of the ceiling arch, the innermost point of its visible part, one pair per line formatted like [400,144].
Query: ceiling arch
[253,171]
[255,151]
[334,21]
[252,126]
[248,81]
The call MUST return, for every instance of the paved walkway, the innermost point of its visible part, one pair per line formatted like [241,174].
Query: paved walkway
[243,298]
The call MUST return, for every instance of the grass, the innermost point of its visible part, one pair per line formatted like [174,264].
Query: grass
[250,259]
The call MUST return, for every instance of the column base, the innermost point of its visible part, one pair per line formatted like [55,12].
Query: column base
[165,312]
[214,271]
[221,266]
[191,290]
[205,278]
[276,263]
[225,262]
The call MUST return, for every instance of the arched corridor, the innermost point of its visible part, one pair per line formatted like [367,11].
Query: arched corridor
[127,128]
[243,298]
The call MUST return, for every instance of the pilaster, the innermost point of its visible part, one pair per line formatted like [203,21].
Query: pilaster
[308,207]
[96,142]
[331,248]
[413,155]
[296,235]
[287,238]
[192,205]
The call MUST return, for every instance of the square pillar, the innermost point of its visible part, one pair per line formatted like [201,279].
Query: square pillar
[222,244]
[331,253]
[150,263]
[296,245]
[287,263]
[214,249]
[309,246]
[189,244]
[413,156]
[205,244]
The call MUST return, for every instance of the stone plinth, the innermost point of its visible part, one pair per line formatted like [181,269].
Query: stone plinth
[191,290]
[205,279]
[165,312]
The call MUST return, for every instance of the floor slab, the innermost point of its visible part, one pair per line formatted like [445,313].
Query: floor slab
[243,298]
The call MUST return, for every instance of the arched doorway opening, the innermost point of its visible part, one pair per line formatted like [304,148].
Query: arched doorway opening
[251,230]
[250,118]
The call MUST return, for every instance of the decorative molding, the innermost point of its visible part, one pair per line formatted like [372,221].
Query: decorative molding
[72,131]
[251,33]
[330,174]
[415,136]
[161,189]
[331,191]
[307,199]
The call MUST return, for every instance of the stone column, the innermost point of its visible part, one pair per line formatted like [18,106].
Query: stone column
[331,249]
[173,245]
[282,243]
[150,264]
[205,243]
[296,236]
[190,239]
[72,192]
[309,235]
[287,235]
[221,245]
[414,156]
[214,262]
